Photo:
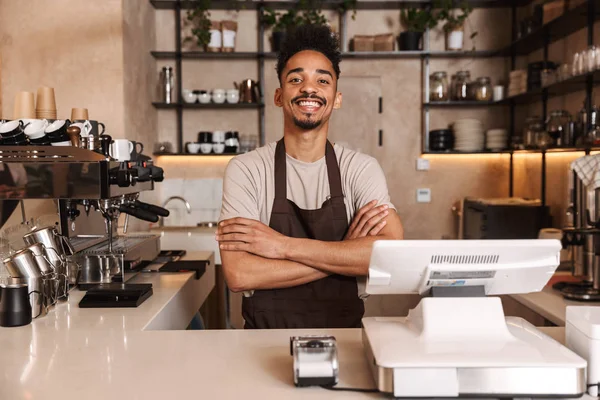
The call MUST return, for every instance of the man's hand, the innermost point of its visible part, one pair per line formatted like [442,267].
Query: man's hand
[368,221]
[242,234]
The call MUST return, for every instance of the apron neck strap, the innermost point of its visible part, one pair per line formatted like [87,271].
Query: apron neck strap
[333,171]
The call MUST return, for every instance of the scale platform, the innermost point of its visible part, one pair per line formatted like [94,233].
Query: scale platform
[405,366]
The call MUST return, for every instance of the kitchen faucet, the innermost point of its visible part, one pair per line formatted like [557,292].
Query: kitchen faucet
[187,207]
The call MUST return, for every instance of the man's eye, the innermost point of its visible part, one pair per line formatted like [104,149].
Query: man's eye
[295,80]
[323,81]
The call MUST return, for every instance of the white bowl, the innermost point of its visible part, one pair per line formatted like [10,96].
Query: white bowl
[218,148]
[206,148]
[189,97]
[193,147]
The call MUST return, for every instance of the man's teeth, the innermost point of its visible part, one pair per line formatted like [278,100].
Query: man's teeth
[309,104]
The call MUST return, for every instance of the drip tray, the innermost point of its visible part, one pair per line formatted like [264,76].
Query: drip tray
[116,295]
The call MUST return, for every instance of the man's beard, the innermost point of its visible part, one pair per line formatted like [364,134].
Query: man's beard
[307,124]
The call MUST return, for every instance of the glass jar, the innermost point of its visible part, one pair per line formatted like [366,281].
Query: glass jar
[534,127]
[483,89]
[438,86]
[557,126]
[460,89]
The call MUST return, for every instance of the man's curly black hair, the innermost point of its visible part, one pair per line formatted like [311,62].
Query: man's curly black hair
[310,37]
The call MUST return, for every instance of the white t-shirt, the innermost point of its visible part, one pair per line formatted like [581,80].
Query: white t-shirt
[249,184]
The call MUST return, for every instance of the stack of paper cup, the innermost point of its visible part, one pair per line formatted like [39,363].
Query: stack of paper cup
[79,114]
[46,103]
[24,106]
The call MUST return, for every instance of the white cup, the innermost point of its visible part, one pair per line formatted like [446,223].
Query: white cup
[36,128]
[206,148]
[204,97]
[56,125]
[218,137]
[188,96]
[233,96]
[120,149]
[498,93]
[218,96]
[218,148]
[85,127]
[194,148]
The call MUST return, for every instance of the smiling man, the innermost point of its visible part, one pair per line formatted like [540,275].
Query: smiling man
[299,216]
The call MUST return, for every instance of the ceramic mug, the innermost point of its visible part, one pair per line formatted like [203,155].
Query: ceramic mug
[203,97]
[206,148]
[95,130]
[218,96]
[36,129]
[57,129]
[193,148]
[233,96]
[85,127]
[121,149]
[12,128]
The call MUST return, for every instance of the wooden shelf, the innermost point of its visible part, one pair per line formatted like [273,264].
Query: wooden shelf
[468,103]
[507,151]
[172,55]
[412,54]
[331,4]
[571,85]
[570,22]
[209,106]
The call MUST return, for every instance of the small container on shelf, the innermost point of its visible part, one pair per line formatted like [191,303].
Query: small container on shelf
[460,87]
[438,86]
[533,128]
[383,42]
[483,90]
[362,43]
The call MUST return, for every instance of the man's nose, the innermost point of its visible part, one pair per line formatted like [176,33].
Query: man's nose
[308,87]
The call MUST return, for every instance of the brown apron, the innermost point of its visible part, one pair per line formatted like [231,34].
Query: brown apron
[331,302]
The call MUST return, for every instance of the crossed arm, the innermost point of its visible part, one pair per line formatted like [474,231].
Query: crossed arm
[255,256]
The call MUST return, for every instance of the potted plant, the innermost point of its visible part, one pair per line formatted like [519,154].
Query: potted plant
[305,13]
[416,21]
[454,22]
[198,17]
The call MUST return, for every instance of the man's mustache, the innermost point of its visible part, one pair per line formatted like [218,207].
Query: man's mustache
[309,96]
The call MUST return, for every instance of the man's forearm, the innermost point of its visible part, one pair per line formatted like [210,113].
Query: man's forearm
[245,271]
[349,257]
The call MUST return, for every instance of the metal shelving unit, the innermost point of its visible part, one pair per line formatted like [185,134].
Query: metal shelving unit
[334,4]
[208,106]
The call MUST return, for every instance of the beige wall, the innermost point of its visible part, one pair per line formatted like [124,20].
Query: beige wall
[75,46]
[94,53]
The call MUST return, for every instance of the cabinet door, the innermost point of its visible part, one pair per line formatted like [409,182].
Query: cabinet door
[356,125]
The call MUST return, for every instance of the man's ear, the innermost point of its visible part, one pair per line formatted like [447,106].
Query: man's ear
[278,97]
[337,103]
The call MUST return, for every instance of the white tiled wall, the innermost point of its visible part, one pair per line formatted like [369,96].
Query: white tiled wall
[204,196]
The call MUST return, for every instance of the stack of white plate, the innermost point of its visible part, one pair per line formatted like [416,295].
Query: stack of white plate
[496,139]
[468,135]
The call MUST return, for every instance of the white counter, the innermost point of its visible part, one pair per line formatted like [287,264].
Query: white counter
[550,304]
[105,354]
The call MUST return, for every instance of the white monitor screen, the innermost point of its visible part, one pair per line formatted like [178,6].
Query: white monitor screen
[500,266]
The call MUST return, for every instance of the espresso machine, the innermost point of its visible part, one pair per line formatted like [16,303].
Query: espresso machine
[582,231]
[91,191]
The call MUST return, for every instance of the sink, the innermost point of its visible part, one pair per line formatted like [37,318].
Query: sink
[189,238]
